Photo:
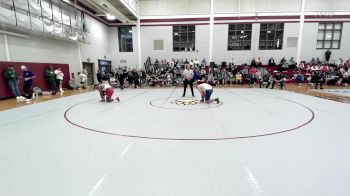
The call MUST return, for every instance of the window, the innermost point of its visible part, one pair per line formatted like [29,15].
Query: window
[271,36]
[184,38]
[125,39]
[329,35]
[239,37]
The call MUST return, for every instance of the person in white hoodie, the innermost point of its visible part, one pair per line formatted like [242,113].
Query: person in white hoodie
[59,77]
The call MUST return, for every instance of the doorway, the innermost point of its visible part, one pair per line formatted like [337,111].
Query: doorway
[104,66]
[90,70]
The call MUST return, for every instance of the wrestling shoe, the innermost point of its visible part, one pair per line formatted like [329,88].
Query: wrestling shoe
[217,100]
[117,99]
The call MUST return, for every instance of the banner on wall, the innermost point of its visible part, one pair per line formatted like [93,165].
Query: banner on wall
[58,29]
[65,19]
[34,7]
[21,4]
[73,23]
[57,17]
[67,31]
[48,26]
[74,35]
[7,16]
[47,11]
[37,24]
[23,20]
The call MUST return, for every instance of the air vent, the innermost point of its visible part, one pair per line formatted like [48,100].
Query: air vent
[105,5]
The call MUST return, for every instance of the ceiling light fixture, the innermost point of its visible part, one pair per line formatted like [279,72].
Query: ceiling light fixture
[110,17]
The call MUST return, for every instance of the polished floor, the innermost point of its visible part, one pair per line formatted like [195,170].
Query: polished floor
[156,143]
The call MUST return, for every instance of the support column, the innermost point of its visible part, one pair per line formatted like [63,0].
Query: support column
[139,43]
[7,49]
[301,27]
[211,30]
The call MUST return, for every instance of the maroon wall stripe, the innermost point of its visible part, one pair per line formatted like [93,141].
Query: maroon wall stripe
[325,17]
[182,24]
[174,20]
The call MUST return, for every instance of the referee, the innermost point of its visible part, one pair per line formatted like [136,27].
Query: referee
[188,79]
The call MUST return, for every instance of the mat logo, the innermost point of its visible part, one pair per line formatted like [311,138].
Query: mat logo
[186,101]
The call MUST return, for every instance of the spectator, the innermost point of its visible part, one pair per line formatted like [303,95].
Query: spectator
[83,80]
[328,55]
[59,78]
[272,62]
[239,78]
[292,64]
[50,77]
[28,82]
[72,85]
[299,78]
[11,77]
[283,61]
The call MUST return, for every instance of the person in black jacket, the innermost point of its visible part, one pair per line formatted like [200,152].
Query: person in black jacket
[272,62]
[328,55]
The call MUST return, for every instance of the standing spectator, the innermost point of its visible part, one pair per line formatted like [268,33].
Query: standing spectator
[28,82]
[188,79]
[59,78]
[11,77]
[328,55]
[50,77]
[136,76]
[120,74]
[83,80]
[99,76]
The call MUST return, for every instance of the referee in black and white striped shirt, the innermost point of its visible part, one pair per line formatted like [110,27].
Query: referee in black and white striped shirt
[188,79]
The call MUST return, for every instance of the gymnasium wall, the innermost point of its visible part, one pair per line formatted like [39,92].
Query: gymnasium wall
[171,7]
[335,5]
[309,40]
[2,48]
[98,44]
[123,58]
[165,33]
[253,6]
[41,49]
[38,69]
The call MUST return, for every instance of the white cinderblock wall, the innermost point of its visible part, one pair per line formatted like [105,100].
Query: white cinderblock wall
[2,48]
[165,33]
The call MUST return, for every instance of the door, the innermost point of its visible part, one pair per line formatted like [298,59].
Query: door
[90,70]
[104,66]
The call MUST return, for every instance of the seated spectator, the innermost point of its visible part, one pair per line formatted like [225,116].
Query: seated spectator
[292,64]
[272,62]
[301,66]
[299,78]
[340,63]
[318,61]
[258,62]
[317,78]
[279,78]
[253,63]
[283,61]
[72,85]
[313,61]
[239,78]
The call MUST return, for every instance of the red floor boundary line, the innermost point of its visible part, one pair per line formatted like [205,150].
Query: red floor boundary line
[193,139]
